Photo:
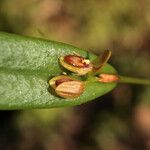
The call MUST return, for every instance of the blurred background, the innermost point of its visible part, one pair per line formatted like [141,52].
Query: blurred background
[119,120]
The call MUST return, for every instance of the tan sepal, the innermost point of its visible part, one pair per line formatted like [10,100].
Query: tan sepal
[100,62]
[70,89]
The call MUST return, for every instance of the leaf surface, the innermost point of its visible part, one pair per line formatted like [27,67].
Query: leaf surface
[27,64]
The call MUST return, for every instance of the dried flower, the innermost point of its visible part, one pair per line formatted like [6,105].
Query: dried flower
[67,87]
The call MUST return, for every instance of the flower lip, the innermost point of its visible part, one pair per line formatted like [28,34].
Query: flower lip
[77,61]
[55,81]
[59,81]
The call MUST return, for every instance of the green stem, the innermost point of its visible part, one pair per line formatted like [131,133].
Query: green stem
[131,80]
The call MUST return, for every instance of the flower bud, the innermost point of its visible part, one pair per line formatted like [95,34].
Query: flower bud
[108,78]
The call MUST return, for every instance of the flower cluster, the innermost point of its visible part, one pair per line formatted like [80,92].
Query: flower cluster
[68,87]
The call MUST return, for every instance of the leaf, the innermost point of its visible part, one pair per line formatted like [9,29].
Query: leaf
[27,64]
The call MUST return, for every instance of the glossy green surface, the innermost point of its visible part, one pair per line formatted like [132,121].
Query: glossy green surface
[26,65]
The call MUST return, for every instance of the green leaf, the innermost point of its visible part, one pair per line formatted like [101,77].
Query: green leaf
[27,64]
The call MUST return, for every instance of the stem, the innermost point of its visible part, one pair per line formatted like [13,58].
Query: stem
[134,80]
